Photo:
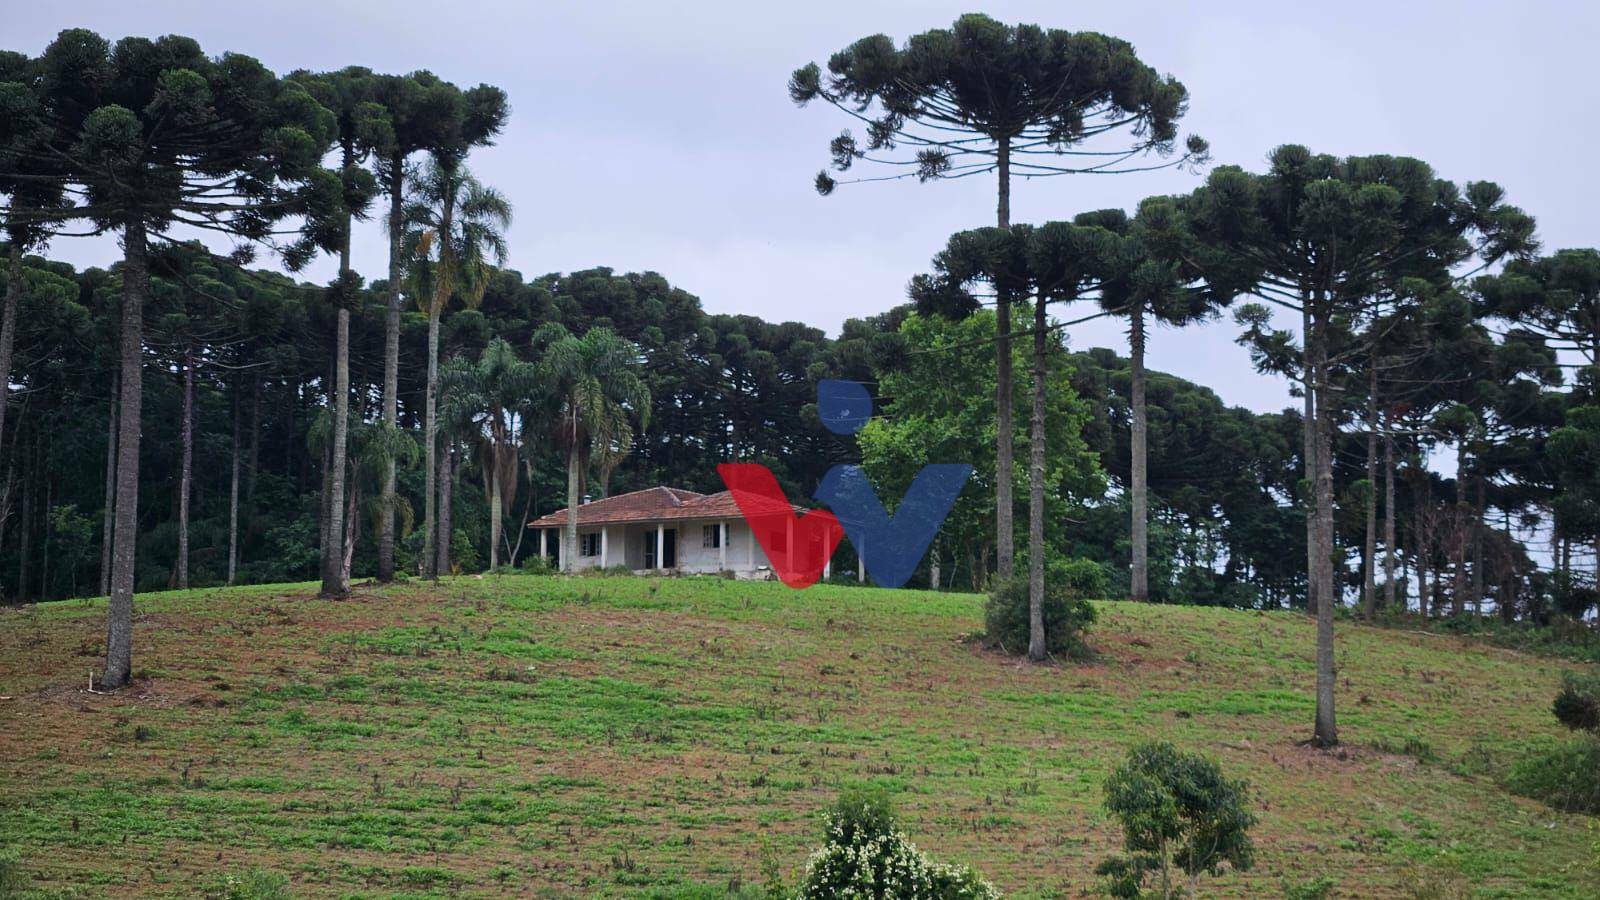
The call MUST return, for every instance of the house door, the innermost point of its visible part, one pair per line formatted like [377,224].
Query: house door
[669,549]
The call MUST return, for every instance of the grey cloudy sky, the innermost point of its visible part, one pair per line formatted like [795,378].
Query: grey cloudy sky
[659,136]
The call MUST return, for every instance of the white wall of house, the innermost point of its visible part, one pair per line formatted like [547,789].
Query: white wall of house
[624,544]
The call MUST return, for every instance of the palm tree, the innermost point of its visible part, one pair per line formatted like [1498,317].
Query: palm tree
[455,236]
[493,394]
[595,390]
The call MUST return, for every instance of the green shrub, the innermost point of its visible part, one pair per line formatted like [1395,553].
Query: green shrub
[538,565]
[1577,706]
[1565,775]
[1068,585]
[1177,810]
[867,856]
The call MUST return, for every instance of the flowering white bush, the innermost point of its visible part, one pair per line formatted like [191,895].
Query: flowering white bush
[867,857]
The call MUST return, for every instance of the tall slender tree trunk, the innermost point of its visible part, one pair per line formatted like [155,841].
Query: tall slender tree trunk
[1477,549]
[186,471]
[1389,585]
[15,284]
[1036,553]
[1139,571]
[1326,732]
[391,366]
[107,523]
[1458,577]
[119,611]
[1309,441]
[494,510]
[569,534]
[1422,546]
[1005,551]
[431,538]
[447,484]
[334,582]
[233,489]
[352,529]
[1369,550]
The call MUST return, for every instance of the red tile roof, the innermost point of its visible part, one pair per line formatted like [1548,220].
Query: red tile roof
[655,504]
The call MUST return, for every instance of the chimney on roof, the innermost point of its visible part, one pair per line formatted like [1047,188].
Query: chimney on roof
[586,499]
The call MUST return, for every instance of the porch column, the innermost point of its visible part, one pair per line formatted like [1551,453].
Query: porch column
[788,542]
[661,548]
[543,555]
[605,542]
[861,564]
[722,545]
[750,548]
[561,552]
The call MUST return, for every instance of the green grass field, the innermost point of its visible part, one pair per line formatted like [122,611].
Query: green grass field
[665,737]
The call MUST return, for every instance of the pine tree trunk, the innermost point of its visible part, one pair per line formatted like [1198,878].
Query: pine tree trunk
[1005,551]
[1389,586]
[1036,554]
[119,611]
[1422,547]
[15,284]
[391,366]
[1326,733]
[1369,550]
[1458,577]
[447,482]
[107,524]
[1477,551]
[233,491]
[186,471]
[1139,571]
[334,584]
[1309,441]
[431,539]
[569,534]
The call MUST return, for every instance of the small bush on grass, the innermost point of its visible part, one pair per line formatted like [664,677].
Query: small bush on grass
[867,856]
[538,565]
[1577,706]
[1177,812]
[1068,585]
[1565,775]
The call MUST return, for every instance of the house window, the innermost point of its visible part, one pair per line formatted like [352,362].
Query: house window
[589,544]
[711,537]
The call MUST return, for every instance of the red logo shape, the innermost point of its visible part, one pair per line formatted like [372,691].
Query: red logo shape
[798,547]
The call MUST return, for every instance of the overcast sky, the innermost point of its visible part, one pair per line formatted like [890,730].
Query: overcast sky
[660,136]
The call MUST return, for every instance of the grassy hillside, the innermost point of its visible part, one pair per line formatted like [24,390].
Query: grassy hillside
[553,737]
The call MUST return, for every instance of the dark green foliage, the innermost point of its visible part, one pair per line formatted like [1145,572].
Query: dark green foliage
[1068,585]
[1177,810]
[1577,706]
[1564,775]
[949,99]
